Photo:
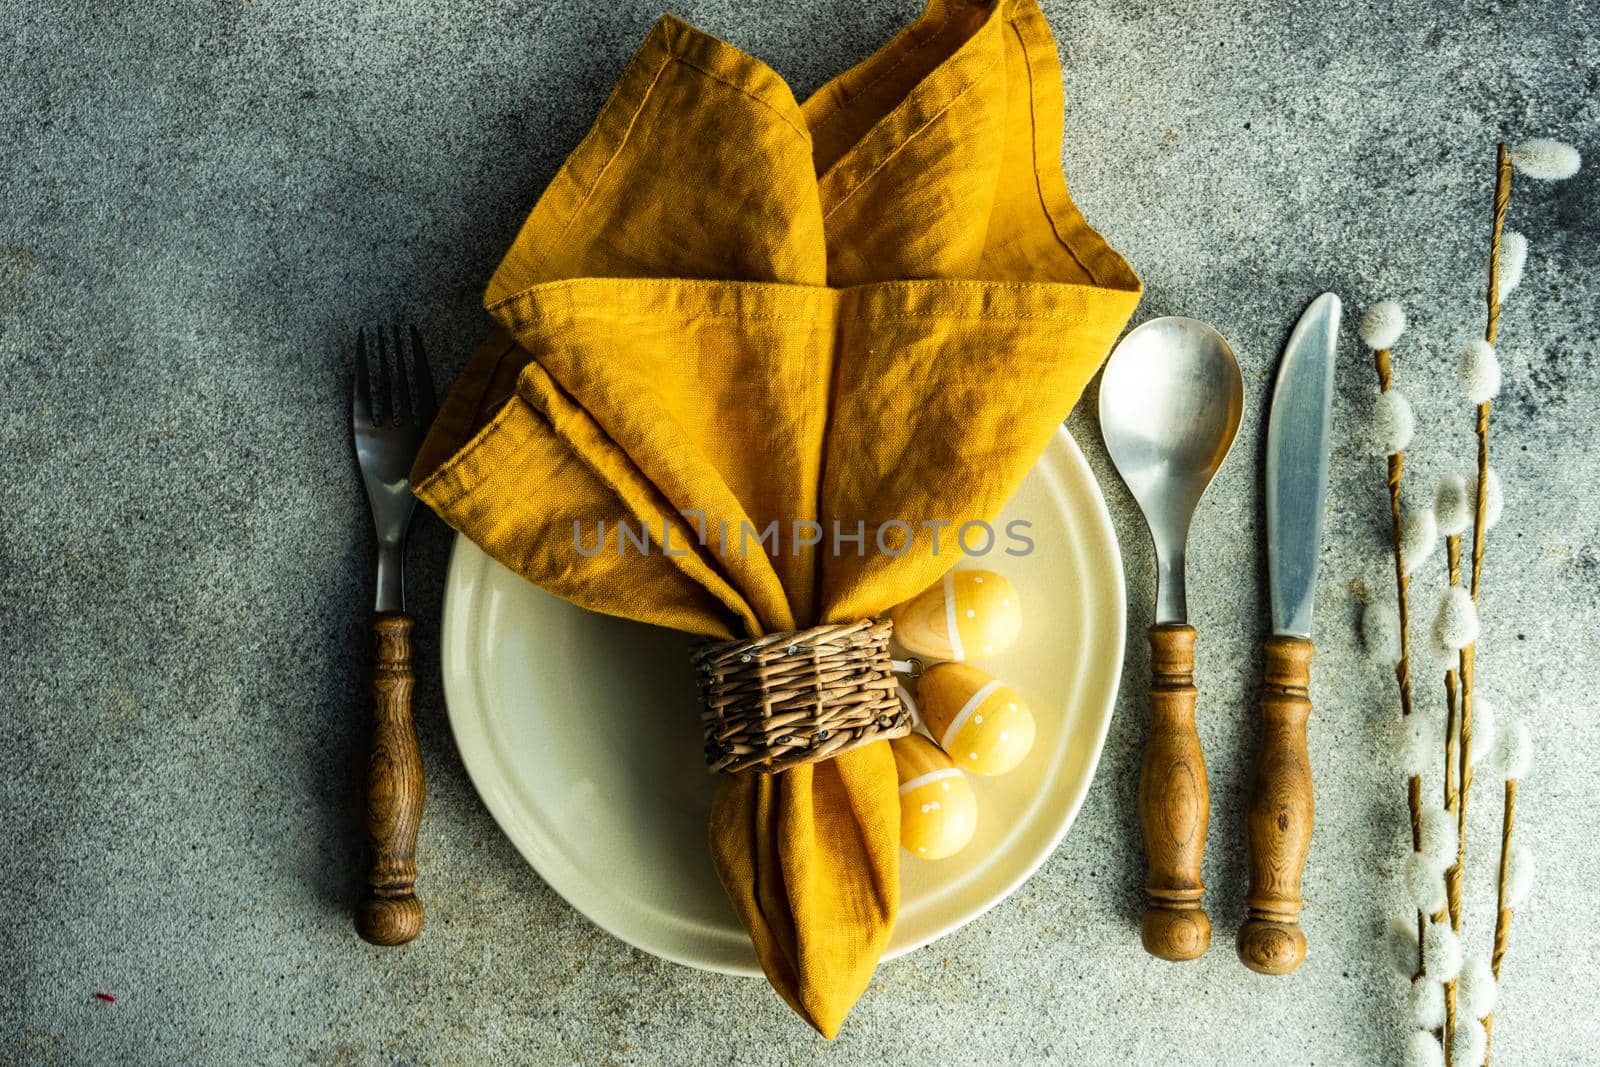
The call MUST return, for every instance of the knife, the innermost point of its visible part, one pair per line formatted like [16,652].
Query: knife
[1280,812]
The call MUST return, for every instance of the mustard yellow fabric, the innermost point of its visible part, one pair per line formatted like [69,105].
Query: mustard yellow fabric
[875,305]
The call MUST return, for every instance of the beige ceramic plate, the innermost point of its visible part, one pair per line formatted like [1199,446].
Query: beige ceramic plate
[581,733]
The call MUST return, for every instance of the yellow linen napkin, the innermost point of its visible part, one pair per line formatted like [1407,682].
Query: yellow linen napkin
[729,308]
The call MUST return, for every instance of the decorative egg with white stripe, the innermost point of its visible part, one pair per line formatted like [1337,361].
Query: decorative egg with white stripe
[980,722]
[967,615]
[938,810]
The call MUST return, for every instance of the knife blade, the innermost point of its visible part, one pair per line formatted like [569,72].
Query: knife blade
[1299,435]
[1280,810]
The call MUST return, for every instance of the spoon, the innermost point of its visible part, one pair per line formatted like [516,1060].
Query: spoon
[1170,401]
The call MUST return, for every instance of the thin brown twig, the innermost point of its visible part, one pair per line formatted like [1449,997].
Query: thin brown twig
[1452,801]
[1501,928]
[1452,732]
[1453,876]
[1497,225]
[1402,669]
[1464,778]
[1402,582]
[1414,801]
[1478,531]
[1491,332]
[1502,922]
[1468,658]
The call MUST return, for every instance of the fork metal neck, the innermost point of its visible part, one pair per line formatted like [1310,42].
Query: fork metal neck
[391,594]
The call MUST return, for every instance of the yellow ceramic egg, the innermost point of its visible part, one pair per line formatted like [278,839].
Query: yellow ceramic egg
[938,810]
[967,615]
[980,722]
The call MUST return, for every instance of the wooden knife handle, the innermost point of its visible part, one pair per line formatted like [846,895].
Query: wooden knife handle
[390,913]
[1279,813]
[1174,805]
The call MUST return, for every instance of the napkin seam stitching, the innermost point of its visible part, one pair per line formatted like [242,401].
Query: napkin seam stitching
[1038,178]
[904,142]
[736,87]
[622,142]
[922,45]
[471,448]
[522,317]
[648,283]
[1064,316]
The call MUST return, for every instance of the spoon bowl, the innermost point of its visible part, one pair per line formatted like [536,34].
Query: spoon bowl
[1171,398]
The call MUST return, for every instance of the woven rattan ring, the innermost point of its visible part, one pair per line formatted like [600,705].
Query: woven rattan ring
[799,696]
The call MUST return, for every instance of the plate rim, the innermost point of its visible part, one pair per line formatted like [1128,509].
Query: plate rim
[1099,527]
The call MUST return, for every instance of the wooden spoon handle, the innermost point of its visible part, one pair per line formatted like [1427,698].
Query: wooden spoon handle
[1280,813]
[389,913]
[1174,805]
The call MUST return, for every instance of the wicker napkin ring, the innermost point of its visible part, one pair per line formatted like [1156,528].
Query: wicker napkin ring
[798,697]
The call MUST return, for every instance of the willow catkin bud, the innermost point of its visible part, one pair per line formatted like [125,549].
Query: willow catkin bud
[1494,501]
[1425,883]
[1427,1004]
[1419,535]
[1478,370]
[1424,1050]
[1476,989]
[1470,1046]
[1438,837]
[1513,262]
[1421,743]
[1519,877]
[1452,508]
[1441,951]
[1456,623]
[1393,423]
[1546,159]
[1441,655]
[1382,325]
[1512,757]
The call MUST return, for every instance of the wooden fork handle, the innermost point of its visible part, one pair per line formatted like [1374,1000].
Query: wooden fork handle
[1279,813]
[389,912]
[1174,804]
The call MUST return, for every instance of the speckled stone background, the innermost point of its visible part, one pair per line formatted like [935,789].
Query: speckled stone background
[197,196]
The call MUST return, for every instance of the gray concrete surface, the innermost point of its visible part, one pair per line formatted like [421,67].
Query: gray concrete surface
[198,196]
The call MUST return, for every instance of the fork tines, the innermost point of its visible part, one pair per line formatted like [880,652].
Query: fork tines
[404,386]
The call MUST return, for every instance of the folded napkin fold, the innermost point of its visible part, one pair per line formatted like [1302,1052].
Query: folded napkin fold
[732,308]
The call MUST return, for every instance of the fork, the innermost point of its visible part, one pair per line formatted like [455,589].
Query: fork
[388,420]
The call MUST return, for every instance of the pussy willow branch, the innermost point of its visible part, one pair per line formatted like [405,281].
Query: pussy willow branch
[1453,744]
[1468,656]
[1402,583]
[1502,199]
[1402,669]
[1502,922]
[1452,801]
[1491,332]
